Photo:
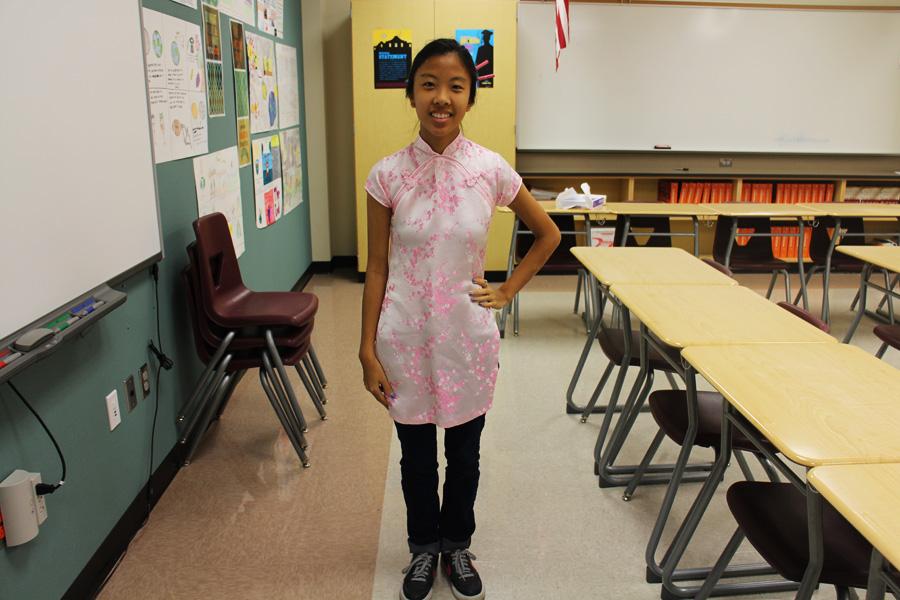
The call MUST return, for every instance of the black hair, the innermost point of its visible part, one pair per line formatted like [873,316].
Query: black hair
[439,47]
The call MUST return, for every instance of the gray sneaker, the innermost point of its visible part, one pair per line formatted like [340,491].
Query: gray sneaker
[460,572]
[419,577]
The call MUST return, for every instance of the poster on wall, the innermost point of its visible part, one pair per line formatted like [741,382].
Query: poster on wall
[263,83]
[242,10]
[241,93]
[267,180]
[292,169]
[176,86]
[288,86]
[212,43]
[218,184]
[480,44]
[270,17]
[392,57]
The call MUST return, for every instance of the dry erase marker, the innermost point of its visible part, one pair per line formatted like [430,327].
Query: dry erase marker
[6,357]
[662,147]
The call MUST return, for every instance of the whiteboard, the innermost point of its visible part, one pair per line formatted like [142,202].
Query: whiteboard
[78,203]
[709,79]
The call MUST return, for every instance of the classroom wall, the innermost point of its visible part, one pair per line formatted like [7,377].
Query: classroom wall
[108,469]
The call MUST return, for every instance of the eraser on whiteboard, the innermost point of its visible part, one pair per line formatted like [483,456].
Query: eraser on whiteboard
[32,339]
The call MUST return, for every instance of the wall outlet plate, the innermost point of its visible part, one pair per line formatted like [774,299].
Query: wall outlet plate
[130,393]
[145,380]
[112,409]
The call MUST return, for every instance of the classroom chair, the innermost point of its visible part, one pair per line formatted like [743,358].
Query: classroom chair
[719,267]
[754,257]
[656,230]
[773,518]
[669,409]
[889,335]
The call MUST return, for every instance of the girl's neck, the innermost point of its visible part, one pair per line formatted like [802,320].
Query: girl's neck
[439,144]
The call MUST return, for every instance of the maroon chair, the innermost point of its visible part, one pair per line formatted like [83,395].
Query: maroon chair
[889,335]
[719,267]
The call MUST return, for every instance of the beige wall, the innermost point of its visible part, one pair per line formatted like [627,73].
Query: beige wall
[843,3]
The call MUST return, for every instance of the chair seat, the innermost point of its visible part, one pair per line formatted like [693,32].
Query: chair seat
[773,517]
[669,410]
[750,264]
[889,334]
[264,309]
[612,342]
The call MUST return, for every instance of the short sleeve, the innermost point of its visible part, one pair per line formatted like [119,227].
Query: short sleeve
[508,182]
[375,186]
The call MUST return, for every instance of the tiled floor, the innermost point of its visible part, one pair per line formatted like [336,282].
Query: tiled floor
[245,521]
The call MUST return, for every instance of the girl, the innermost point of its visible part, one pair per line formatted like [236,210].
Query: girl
[430,343]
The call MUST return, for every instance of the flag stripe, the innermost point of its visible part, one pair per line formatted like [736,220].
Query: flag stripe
[562,27]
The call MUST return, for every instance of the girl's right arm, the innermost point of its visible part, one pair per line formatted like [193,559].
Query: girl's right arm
[379,230]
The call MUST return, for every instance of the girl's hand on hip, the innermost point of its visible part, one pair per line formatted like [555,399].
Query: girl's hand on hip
[376,381]
[487,296]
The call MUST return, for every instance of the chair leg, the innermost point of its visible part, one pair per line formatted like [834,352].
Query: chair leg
[721,564]
[578,291]
[671,380]
[311,390]
[787,286]
[742,463]
[772,281]
[285,382]
[235,380]
[296,422]
[516,314]
[205,399]
[771,472]
[589,408]
[319,372]
[282,417]
[206,419]
[642,468]
[317,384]
[881,350]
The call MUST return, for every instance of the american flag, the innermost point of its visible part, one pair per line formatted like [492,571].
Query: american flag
[562,27]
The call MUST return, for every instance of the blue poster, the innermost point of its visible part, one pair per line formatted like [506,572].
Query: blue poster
[480,44]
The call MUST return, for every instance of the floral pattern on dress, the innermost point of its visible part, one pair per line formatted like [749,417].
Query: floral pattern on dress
[439,350]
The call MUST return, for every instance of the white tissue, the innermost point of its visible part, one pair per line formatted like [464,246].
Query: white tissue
[569,198]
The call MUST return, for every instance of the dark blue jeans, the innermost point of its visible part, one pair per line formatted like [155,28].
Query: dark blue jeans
[432,525]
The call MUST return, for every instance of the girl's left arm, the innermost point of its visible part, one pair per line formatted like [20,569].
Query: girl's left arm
[546,239]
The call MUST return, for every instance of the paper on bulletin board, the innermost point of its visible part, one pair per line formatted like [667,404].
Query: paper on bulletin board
[480,44]
[392,57]
[292,169]
[191,3]
[176,86]
[288,87]
[242,10]
[263,83]
[218,184]
[212,43]
[267,180]
[270,17]
[241,92]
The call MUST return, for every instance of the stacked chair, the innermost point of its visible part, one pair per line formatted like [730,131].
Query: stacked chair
[236,329]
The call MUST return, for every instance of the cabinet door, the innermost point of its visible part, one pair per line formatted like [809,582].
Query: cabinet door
[383,119]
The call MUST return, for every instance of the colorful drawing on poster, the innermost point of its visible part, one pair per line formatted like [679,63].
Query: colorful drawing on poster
[243,134]
[242,10]
[238,52]
[218,185]
[270,17]
[291,169]
[480,44]
[392,57]
[176,86]
[215,87]
[288,86]
[263,83]
[212,35]
[267,180]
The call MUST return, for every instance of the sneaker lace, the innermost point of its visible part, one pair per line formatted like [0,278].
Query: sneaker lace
[462,563]
[420,567]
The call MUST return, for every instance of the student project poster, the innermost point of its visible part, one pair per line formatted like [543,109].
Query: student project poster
[212,43]
[480,44]
[176,83]
[288,88]
[263,83]
[270,17]
[267,180]
[241,92]
[292,169]
[392,57]
[242,10]
[218,184]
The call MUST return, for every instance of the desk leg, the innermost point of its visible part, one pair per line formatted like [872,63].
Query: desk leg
[816,549]
[801,267]
[875,589]
[571,407]
[504,312]
[731,239]
[861,305]
[826,276]
[626,226]
[696,223]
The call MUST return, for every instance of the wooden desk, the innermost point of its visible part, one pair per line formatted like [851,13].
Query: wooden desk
[627,210]
[855,209]
[648,266]
[550,207]
[692,315]
[883,257]
[819,404]
[867,496]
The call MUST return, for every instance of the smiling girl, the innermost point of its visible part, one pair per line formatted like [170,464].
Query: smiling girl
[430,344]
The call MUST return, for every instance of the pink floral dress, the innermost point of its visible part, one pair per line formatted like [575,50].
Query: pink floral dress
[439,349]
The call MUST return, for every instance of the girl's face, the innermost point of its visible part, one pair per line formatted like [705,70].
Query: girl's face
[441,99]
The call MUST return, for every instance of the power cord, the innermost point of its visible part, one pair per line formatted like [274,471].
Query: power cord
[163,362]
[43,489]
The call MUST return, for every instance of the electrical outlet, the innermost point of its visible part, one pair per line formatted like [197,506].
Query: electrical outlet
[145,379]
[130,393]
[112,409]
